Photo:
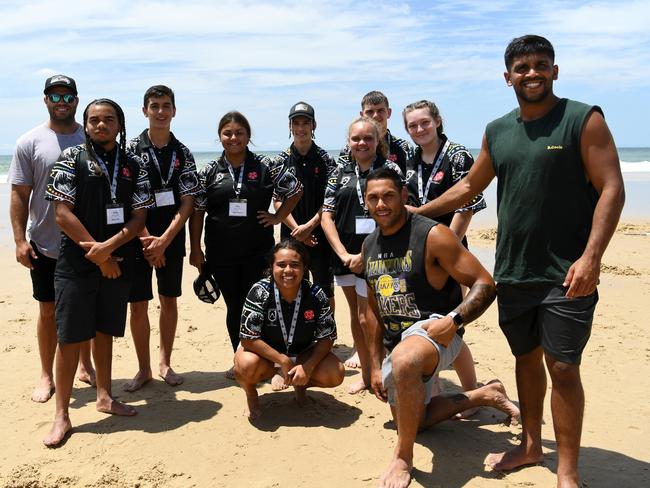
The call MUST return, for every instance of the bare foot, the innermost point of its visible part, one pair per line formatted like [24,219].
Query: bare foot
[139,380]
[170,377]
[353,361]
[569,481]
[499,399]
[44,391]
[357,386]
[57,433]
[86,375]
[230,374]
[398,475]
[301,395]
[512,459]
[277,383]
[253,410]
[115,408]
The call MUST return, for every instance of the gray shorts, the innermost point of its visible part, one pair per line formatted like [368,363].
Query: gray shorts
[447,356]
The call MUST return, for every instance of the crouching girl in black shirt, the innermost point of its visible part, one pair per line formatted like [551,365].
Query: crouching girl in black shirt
[286,323]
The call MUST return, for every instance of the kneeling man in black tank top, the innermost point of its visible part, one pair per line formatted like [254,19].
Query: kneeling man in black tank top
[413,267]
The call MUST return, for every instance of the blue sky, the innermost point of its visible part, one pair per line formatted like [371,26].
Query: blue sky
[260,57]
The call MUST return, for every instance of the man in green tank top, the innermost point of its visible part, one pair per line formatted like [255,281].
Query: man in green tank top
[559,197]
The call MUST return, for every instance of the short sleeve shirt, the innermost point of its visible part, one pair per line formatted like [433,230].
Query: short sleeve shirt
[171,167]
[342,198]
[454,165]
[78,179]
[312,171]
[229,238]
[35,154]
[260,317]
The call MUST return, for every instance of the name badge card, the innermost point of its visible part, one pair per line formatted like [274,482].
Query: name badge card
[237,207]
[115,214]
[364,225]
[164,197]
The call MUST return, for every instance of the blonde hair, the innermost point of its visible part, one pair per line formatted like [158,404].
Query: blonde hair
[382,148]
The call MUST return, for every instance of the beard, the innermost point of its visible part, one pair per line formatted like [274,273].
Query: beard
[67,117]
[536,98]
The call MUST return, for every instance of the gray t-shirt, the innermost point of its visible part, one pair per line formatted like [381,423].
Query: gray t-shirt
[35,154]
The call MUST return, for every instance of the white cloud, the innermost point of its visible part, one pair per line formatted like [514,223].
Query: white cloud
[262,55]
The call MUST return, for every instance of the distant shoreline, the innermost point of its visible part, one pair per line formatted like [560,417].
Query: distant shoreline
[473,150]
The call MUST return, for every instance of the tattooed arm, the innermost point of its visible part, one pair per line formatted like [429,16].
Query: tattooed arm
[445,254]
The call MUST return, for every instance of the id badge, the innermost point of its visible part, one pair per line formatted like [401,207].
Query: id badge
[237,207]
[164,198]
[364,225]
[115,214]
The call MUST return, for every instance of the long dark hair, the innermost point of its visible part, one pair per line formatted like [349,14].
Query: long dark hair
[237,118]
[120,118]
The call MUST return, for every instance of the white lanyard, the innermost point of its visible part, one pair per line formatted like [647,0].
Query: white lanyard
[236,187]
[424,195]
[288,338]
[164,181]
[359,193]
[111,184]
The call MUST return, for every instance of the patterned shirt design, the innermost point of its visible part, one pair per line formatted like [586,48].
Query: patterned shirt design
[285,183]
[260,317]
[456,163]
[188,180]
[62,184]
[344,176]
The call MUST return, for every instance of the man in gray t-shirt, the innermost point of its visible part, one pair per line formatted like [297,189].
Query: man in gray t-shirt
[32,217]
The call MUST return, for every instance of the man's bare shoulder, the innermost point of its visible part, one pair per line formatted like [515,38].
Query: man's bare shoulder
[440,239]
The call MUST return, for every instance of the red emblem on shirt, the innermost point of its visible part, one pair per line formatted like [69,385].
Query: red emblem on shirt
[316,170]
[126,173]
[252,175]
[392,157]
[177,163]
[309,314]
[438,177]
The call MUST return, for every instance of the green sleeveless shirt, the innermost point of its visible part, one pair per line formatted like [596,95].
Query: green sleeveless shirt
[545,203]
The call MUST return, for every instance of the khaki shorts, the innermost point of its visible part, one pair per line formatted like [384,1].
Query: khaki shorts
[447,355]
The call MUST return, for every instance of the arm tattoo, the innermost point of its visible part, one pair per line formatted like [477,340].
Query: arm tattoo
[478,299]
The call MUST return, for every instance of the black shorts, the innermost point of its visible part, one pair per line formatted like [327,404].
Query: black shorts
[320,266]
[168,279]
[42,276]
[533,315]
[90,303]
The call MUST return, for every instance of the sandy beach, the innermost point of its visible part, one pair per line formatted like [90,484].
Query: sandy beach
[196,434]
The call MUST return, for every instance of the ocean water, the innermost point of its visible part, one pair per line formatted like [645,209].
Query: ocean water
[633,159]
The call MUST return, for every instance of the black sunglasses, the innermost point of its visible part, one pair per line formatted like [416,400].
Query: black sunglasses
[56,98]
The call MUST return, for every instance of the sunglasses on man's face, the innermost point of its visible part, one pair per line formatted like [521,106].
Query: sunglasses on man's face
[56,98]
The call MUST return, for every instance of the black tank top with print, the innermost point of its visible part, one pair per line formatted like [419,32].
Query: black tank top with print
[395,272]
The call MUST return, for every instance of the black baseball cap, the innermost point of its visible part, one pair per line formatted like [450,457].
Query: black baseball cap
[60,80]
[302,109]
[205,286]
